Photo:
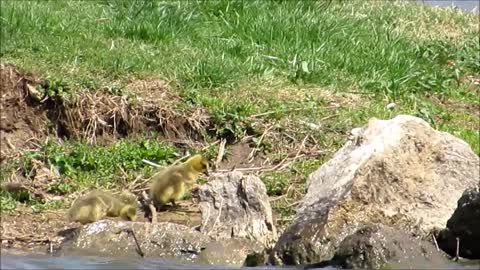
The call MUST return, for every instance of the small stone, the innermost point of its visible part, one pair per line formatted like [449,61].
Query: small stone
[34,93]
[391,106]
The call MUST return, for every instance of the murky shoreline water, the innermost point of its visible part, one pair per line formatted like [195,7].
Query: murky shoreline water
[89,262]
[11,259]
[32,262]
[18,259]
[465,5]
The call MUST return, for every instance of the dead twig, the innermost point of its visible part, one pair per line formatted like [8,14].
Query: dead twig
[244,169]
[50,246]
[278,198]
[181,159]
[221,152]
[435,242]
[314,140]
[25,239]
[328,117]
[10,144]
[218,216]
[280,111]
[457,252]
[136,190]
[124,174]
[132,185]
[138,249]
[151,163]
[294,204]
[31,140]
[153,212]
[257,146]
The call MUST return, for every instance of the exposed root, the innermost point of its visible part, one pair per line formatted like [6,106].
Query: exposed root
[90,115]
[148,202]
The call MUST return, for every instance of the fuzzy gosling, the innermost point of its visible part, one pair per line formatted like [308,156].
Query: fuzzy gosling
[171,183]
[98,204]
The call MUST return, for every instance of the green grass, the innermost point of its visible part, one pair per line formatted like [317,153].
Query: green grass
[82,161]
[82,166]
[240,58]
[216,44]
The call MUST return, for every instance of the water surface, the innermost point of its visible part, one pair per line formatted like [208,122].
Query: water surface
[12,260]
[465,5]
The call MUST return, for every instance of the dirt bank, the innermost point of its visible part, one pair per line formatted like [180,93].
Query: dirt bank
[23,121]
[34,110]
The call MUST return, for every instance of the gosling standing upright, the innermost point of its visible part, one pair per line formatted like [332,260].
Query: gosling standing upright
[171,183]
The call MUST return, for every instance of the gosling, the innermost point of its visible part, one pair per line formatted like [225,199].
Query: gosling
[98,204]
[171,183]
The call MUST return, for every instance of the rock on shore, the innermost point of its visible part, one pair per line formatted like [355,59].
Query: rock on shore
[236,206]
[398,172]
[378,246]
[464,225]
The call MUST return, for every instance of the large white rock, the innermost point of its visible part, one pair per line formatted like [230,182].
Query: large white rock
[398,172]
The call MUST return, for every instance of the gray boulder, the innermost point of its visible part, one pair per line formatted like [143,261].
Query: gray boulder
[111,238]
[380,247]
[464,224]
[398,172]
[161,240]
[234,205]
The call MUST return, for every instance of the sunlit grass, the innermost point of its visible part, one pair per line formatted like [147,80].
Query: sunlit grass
[215,44]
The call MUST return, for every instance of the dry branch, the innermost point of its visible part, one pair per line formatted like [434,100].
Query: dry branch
[153,212]
[221,152]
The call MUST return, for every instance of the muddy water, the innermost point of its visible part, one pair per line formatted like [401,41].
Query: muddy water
[31,262]
[465,5]
[15,260]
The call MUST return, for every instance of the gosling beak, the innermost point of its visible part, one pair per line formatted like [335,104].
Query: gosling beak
[206,173]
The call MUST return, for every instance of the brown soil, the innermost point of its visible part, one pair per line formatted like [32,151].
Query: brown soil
[237,157]
[102,116]
[98,116]
[27,229]
[23,121]
[457,105]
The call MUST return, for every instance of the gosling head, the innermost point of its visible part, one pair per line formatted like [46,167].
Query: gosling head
[128,198]
[198,163]
[128,212]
